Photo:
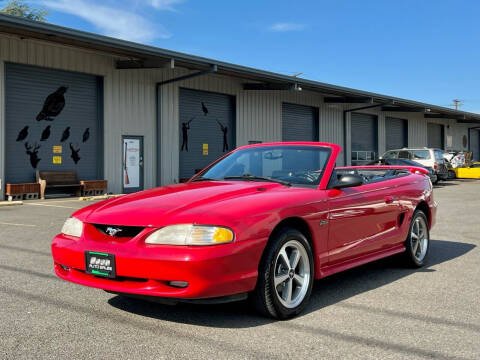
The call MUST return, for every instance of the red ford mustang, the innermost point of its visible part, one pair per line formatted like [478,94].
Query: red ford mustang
[263,221]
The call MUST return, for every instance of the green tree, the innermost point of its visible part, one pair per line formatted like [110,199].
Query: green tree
[21,9]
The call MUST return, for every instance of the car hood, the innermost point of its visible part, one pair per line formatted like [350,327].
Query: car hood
[179,203]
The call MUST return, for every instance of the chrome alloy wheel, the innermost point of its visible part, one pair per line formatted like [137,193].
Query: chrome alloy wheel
[292,274]
[419,238]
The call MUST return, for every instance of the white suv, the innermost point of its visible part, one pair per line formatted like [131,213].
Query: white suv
[432,158]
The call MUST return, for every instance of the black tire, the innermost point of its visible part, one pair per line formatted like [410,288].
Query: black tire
[264,298]
[451,174]
[410,259]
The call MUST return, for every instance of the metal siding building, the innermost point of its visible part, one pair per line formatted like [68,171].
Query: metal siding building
[133,103]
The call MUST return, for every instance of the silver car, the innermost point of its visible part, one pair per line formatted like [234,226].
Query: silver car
[428,157]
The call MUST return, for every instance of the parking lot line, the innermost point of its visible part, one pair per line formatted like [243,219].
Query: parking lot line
[58,206]
[74,199]
[14,224]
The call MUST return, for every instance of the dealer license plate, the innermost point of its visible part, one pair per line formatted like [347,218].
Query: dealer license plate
[100,264]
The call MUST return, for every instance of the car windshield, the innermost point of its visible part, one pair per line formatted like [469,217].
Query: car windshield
[289,165]
[420,154]
[403,162]
[407,154]
[390,155]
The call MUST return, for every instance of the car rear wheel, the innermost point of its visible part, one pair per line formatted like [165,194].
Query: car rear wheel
[418,240]
[285,277]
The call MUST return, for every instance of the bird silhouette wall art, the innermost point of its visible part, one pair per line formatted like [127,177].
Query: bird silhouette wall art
[204,109]
[53,105]
[22,135]
[33,154]
[224,130]
[74,154]
[86,135]
[45,133]
[66,134]
[185,128]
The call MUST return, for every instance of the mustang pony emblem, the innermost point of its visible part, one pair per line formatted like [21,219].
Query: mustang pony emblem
[112,231]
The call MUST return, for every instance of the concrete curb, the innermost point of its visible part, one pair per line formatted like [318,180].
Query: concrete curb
[99,197]
[10,203]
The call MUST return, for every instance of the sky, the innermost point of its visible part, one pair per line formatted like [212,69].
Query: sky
[424,50]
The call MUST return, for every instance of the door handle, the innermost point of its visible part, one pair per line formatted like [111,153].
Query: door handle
[390,199]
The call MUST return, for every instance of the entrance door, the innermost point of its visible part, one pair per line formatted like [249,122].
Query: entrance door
[475,144]
[132,167]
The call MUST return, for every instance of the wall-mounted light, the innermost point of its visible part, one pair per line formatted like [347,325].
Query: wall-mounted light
[296,87]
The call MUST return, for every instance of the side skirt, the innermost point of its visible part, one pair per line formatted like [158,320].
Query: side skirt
[333,269]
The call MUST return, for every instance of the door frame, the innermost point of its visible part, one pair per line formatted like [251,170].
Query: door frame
[141,165]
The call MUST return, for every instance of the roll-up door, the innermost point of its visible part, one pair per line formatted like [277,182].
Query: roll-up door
[475,144]
[364,135]
[53,122]
[435,134]
[396,133]
[207,129]
[299,123]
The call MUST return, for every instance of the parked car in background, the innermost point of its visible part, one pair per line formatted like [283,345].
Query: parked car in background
[427,157]
[261,222]
[405,162]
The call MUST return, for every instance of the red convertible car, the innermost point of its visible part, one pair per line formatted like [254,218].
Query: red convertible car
[263,221]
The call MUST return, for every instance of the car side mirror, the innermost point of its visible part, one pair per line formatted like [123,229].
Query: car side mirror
[348,180]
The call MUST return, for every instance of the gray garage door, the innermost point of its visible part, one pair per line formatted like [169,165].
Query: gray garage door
[53,122]
[475,144]
[299,123]
[396,132]
[364,138]
[435,133]
[207,129]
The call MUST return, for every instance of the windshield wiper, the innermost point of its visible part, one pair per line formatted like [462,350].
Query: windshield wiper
[261,178]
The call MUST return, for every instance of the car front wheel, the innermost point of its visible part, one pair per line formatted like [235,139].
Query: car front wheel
[285,277]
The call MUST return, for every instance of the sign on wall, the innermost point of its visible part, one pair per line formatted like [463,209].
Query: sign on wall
[131,163]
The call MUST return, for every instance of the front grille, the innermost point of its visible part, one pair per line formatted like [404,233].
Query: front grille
[119,231]
[119,278]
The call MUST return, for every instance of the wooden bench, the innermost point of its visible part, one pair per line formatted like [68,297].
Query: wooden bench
[20,191]
[93,187]
[58,180]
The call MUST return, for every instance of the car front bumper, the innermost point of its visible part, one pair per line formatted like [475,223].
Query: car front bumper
[210,271]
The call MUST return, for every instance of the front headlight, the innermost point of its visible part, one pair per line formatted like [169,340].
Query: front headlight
[189,234]
[72,227]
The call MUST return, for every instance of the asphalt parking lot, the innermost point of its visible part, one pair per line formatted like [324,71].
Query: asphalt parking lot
[378,311]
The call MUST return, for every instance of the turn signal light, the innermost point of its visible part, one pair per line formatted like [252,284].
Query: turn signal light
[179,284]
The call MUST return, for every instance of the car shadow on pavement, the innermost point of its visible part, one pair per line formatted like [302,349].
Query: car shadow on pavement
[444,184]
[326,292]
[451,182]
